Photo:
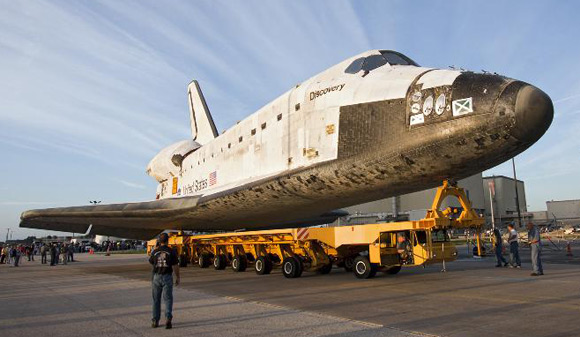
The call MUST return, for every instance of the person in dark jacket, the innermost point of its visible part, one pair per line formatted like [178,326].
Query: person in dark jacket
[17,254]
[513,238]
[165,263]
[498,244]
[53,255]
[70,253]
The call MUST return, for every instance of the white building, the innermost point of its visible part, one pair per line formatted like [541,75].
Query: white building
[566,211]
[502,190]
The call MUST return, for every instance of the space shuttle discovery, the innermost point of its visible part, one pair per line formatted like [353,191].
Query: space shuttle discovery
[373,126]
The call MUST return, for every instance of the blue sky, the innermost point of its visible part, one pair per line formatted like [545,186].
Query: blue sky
[92,90]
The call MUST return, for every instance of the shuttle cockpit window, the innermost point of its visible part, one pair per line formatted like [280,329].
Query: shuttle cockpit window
[394,58]
[355,66]
[372,62]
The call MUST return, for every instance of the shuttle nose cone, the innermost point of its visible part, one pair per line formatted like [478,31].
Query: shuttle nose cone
[533,112]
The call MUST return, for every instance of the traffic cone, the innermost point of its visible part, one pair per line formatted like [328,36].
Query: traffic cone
[569,250]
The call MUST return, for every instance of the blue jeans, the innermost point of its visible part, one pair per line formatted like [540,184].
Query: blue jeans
[515,254]
[162,283]
[536,259]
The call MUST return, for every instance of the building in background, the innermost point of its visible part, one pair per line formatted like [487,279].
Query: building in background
[565,211]
[539,217]
[502,191]
[413,206]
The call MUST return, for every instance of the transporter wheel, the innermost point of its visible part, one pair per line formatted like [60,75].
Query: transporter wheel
[348,264]
[325,269]
[263,265]
[239,263]
[363,268]
[219,262]
[300,265]
[394,270]
[292,267]
[204,261]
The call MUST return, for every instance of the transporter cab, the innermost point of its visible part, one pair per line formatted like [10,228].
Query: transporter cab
[362,249]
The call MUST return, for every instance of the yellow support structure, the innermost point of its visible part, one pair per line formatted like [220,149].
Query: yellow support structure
[370,246]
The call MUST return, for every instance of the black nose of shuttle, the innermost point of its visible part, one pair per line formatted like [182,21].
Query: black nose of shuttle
[533,113]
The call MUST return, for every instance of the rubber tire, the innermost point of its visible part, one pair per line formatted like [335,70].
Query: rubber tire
[291,267]
[393,270]
[263,266]
[325,269]
[363,268]
[219,262]
[204,261]
[239,263]
[300,265]
[348,264]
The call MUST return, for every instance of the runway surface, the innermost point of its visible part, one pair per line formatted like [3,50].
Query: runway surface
[111,296]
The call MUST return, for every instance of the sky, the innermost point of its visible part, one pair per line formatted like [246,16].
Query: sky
[90,91]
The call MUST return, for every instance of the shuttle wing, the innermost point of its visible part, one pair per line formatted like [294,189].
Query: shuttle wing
[202,126]
[142,220]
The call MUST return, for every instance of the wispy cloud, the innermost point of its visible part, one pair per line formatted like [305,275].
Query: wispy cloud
[132,185]
[92,90]
[566,98]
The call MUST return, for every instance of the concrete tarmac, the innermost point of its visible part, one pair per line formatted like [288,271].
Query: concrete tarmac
[111,296]
[79,299]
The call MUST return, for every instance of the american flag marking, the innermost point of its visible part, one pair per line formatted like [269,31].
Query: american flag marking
[213,178]
[302,233]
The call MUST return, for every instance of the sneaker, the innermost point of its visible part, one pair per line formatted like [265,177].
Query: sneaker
[506,264]
[154,323]
[498,265]
[534,274]
[518,267]
[168,324]
[542,273]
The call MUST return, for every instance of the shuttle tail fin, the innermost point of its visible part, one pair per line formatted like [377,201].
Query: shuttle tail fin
[202,126]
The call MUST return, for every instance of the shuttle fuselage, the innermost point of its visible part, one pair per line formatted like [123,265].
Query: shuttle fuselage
[373,126]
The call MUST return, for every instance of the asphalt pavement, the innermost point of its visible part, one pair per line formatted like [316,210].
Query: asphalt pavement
[111,296]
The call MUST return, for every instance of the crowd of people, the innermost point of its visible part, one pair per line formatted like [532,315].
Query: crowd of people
[59,253]
[54,253]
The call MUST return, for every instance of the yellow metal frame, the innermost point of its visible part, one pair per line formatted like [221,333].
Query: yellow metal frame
[338,243]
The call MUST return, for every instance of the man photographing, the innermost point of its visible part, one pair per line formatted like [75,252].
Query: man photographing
[165,262]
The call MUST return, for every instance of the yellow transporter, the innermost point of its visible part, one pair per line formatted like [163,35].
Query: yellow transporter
[367,248]
[364,249]
[265,249]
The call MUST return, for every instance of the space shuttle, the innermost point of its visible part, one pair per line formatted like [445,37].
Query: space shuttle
[373,126]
